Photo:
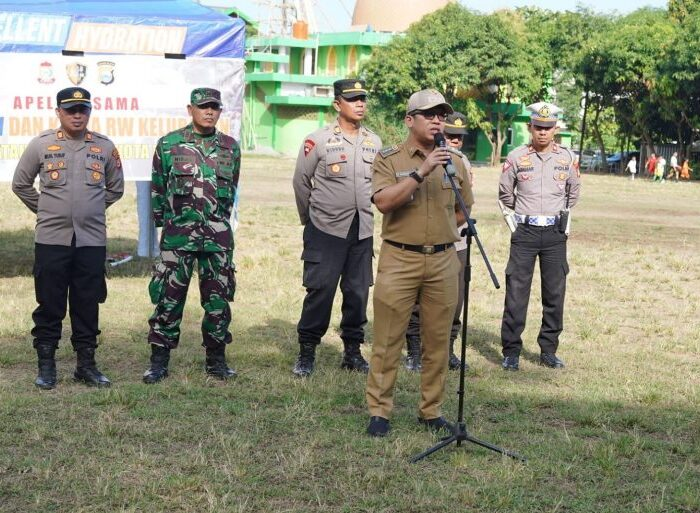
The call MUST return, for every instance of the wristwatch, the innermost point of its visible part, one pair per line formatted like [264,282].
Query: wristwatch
[418,178]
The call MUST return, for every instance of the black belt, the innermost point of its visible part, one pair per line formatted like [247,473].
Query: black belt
[426,250]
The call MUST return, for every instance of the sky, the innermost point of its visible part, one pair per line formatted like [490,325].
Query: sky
[337,14]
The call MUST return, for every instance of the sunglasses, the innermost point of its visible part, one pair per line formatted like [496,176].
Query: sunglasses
[430,114]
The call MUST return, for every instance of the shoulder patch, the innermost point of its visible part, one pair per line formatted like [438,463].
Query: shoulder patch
[385,152]
[308,146]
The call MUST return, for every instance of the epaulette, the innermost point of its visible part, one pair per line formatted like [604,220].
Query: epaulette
[385,152]
[99,135]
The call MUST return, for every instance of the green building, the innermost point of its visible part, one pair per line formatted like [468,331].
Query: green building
[289,84]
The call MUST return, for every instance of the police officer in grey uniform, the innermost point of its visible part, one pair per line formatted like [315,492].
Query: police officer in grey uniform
[80,175]
[540,183]
[332,187]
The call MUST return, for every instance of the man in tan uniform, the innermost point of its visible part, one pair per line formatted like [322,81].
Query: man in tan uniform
[540,183]
[332,190]
[417,259]
[80,175]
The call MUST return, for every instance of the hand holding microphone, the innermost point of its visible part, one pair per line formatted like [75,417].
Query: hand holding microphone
[442,143]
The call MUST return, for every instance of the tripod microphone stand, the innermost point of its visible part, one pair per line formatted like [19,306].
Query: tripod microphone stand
[459,432]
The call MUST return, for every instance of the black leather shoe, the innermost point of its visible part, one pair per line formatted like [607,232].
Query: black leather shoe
[413,363]
[511,363]
[158,371]
[87,371]
[46,379]
[438,424]
[550,360]
[352,358]
[454,362]
[304,365]
[378,426]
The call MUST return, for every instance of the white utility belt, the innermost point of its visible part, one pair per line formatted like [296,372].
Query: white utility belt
[536,220]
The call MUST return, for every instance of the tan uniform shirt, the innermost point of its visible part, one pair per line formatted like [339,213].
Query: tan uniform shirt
[428,218]
[78,180]
[332,180]
[538,183]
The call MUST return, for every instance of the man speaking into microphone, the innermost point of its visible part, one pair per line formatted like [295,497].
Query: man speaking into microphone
[417,260]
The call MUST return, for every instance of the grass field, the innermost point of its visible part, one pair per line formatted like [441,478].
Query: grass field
[618,430]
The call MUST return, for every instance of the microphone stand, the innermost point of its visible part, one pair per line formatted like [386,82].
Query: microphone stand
[459,432]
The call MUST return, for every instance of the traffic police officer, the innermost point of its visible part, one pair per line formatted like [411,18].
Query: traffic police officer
[332,182]
[455,130]
[540,183]
[193,187]
[80,175]
[417,261]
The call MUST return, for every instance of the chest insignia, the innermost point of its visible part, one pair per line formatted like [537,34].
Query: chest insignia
[506,166]
[334,141]
[368,142]
[335,168]
[54,175]
[96,176]
[53,147]
[562,176]
[95,166]
[524,177]
[95,149]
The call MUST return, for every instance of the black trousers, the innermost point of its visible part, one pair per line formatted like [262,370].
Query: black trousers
[66,274]
[528,243]
[328,259]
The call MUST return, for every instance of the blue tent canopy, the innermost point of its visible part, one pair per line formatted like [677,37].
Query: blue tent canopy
[43,26]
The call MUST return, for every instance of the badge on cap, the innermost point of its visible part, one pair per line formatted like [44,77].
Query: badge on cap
[358,85]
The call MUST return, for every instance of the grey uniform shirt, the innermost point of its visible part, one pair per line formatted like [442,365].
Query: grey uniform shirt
[78,180]
[538,183]
[333,178]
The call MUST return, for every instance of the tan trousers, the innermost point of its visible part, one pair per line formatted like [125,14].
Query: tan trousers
[403,276]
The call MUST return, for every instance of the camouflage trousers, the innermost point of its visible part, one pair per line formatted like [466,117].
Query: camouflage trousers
[168,291]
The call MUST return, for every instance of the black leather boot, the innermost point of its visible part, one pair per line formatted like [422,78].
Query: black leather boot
[46,380]
[454,361]
[413,359]
[216,363]
[87,371]
[352,357]
[304,365]
[158,371]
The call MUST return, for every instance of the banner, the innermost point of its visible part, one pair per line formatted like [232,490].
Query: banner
[136,99]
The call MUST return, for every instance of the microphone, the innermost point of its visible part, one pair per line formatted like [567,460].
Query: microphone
[439,139]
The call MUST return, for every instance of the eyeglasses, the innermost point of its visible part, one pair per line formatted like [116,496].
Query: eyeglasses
[430,114]
[212,106]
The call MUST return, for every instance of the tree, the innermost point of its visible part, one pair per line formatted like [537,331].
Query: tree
[476,61]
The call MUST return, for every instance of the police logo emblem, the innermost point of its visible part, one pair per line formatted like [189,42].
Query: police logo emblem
[458,122]
[544,111]
[563,176]
[105,72]
[358,85]
[54,175]
[61,164]
[46,73]
[76,73]
[335,168]
[96,176]
[49,166]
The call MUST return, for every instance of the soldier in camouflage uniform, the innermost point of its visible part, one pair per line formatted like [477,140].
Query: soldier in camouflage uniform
[80,175]
[194,180]
[539,182]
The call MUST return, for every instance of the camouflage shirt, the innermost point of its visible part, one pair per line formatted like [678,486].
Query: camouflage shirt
[193,186]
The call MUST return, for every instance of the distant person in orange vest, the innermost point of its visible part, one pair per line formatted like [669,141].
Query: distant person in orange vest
[685,170]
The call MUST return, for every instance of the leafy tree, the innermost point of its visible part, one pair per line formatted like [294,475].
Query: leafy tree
[472,59]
